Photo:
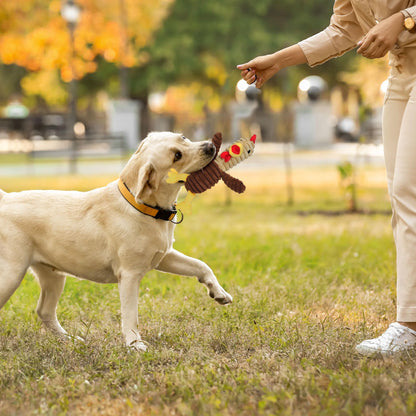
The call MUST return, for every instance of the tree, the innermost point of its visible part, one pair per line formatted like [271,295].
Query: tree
[203,41]
[33,35]
[199,41]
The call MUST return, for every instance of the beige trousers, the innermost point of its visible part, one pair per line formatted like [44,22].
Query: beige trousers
[399,136]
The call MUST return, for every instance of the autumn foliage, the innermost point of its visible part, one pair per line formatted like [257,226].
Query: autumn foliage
[34,35]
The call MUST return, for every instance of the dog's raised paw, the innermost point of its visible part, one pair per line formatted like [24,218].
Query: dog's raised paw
[223,298]
[224,301]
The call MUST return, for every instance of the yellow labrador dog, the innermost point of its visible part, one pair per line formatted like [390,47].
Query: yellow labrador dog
[113,234]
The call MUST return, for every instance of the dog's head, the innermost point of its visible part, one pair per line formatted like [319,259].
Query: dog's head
[146,172]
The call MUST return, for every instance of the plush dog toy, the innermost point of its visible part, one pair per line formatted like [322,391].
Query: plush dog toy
[201,180]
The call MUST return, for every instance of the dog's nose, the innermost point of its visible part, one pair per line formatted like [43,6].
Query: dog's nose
[209,148]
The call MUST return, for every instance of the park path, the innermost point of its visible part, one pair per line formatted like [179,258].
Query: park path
[266,156]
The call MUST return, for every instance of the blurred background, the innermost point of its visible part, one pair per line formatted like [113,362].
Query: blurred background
[81,82]
[112,70]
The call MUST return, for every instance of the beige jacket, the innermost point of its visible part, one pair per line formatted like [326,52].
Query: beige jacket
[350,21]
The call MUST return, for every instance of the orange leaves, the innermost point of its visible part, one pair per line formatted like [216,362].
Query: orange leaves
[9,49]
[34,35]
[46,84]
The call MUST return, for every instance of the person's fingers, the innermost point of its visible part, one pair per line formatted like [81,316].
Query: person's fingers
[362,48]
[370,45]
[248,75]
[364,44]
[251,77]
[365,50]
[245,73]
[378,51]
[372,51]
[244,66]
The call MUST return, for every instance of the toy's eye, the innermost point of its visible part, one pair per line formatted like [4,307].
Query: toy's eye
[236,149]
[178,156]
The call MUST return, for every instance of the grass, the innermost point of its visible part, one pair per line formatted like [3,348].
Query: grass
[306,290]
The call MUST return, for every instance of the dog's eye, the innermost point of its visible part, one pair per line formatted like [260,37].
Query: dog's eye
[178,156]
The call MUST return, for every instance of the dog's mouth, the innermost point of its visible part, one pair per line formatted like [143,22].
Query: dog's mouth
[205,154]
[209,149]
[209,152]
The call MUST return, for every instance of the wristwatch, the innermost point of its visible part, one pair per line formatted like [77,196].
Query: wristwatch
[408,23]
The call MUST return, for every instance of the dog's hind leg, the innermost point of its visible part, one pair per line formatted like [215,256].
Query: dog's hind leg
[177,263]
[13,267]
[10,279]
[52,284]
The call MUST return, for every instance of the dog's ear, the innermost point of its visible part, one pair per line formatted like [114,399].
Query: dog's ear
[147,182]
[140,147]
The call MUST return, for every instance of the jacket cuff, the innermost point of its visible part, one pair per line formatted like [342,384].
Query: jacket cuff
[320,48]
[412,12]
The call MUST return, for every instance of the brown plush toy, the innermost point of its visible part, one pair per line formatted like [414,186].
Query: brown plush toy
[208,176]
[201,180]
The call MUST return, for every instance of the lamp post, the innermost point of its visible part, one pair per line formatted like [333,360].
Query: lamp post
[71,13]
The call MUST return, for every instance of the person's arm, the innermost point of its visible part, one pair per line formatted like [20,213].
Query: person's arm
[264,67]
[341,35]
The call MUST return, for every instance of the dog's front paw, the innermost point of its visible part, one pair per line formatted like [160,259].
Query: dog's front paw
[137,345]
[221,296]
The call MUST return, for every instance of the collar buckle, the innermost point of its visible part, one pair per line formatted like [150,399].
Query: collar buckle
[165,214]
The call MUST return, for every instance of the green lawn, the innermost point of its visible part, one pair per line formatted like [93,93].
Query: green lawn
[306,289]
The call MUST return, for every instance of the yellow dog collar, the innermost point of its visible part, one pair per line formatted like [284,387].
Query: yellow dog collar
[155,212]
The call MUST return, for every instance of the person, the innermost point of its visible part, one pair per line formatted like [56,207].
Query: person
[376,27]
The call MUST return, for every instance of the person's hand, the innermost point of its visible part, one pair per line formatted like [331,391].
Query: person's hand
[259,69]
[382,37]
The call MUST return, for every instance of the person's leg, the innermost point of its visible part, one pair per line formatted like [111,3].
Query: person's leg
[399,123]
[403,194]
[393,111]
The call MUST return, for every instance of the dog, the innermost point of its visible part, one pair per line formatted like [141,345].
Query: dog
[113,234]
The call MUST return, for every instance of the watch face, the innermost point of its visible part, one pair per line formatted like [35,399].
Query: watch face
[409,23]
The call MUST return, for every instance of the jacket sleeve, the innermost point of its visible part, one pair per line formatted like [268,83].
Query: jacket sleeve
[340,36]
[412,12]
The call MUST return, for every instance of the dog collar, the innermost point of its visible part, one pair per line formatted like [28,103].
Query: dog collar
[155,212]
